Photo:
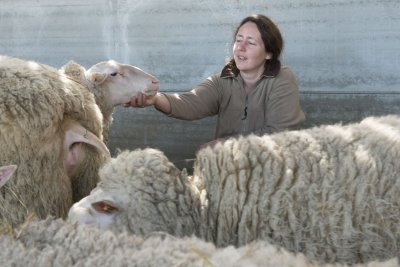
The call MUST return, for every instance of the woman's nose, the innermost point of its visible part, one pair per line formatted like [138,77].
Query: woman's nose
[241,47]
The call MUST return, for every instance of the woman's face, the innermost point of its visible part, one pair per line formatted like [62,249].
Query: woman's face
[248,49]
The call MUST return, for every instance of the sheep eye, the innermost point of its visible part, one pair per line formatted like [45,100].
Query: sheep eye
[104,207]
[113,74]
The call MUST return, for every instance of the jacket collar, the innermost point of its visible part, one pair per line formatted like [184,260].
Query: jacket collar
[230,70]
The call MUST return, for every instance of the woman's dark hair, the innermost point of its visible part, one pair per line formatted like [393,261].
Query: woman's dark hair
[271,36]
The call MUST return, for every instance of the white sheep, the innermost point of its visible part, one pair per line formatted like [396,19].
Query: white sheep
[51,127]
[100,79]
[57,243]
[5,173]
[330,192]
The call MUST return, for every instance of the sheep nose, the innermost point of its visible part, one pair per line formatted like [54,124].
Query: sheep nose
[155,81]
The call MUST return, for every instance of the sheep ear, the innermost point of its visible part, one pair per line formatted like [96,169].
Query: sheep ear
[105,207]
[74,70]
[75,136]
[5,173]
[97,77]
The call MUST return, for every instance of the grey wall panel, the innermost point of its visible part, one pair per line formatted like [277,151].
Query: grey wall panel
[140,128]
[329,107]
[331,45]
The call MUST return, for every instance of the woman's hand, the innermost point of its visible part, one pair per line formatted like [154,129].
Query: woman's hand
[141,101]
[159,101]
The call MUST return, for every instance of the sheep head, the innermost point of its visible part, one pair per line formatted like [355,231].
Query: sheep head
[6,172]
[140,192]
[117,82]
[121,81]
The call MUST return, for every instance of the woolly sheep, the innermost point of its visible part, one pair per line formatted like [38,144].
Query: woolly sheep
[57,243]
[100,79]
[330,192]
[5,173]
[51,126]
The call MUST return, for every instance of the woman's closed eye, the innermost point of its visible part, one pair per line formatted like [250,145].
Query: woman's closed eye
[238,40]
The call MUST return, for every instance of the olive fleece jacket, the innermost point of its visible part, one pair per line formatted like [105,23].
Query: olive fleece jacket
[272,106]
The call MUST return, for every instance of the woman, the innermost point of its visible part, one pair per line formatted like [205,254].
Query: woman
[253,93]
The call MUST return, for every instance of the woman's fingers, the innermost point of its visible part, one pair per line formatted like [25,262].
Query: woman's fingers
[139,101]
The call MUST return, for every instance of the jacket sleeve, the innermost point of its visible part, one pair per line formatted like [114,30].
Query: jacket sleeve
[200,102]
[283,111]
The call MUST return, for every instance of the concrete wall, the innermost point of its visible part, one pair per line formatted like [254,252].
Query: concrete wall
[345,53]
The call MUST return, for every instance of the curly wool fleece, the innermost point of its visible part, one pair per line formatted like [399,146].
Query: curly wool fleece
[330,192]
[57,243]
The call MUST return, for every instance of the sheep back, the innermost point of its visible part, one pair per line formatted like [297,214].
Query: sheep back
[330,192]
[56,243]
